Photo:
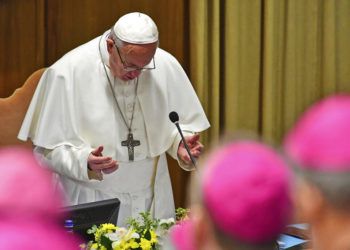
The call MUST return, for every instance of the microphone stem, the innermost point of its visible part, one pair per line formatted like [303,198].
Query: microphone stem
[185,144]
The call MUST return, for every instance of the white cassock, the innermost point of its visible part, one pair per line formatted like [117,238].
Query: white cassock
[73,111]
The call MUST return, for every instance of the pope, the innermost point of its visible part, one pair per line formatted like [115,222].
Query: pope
[99,119]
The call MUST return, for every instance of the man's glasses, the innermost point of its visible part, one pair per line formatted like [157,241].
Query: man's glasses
[134,68]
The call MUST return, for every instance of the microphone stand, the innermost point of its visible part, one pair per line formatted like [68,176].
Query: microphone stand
[185,144]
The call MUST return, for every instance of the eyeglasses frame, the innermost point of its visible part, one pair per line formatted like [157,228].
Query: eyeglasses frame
[134,68]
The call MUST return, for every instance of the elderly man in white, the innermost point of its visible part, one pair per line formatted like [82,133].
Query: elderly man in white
[99,118]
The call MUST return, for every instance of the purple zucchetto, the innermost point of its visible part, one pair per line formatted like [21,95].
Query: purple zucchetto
[320,140]
[245,189]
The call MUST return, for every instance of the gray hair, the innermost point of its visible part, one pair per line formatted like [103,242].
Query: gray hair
[335,187]
[228,242]
[118,42]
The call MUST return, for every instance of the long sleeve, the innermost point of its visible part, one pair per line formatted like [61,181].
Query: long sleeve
[67,161]
[174,148]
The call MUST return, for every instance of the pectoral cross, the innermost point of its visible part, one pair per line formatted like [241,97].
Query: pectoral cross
[131,143]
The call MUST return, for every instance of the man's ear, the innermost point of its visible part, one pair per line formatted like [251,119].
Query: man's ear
[110,45]
[309,202]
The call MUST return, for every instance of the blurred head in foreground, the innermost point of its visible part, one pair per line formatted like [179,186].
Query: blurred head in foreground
[29,212]
[244,200]
[319,148]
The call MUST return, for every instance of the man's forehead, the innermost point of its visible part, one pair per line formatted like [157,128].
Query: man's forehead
[138,55]
[139,49]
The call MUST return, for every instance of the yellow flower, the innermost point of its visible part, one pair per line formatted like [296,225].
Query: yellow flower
[145,244]
[126,245]
[104,228]
[108,226]
[132,244]
[119,247]
[94,246]
[153,237]
[98,235]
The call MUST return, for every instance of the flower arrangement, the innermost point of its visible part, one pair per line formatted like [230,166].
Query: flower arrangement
[143,233]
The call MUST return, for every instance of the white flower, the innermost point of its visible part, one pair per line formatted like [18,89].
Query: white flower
[167,221]
[131,234]
[164,225]
[121,231]
[113,236]
[119,234]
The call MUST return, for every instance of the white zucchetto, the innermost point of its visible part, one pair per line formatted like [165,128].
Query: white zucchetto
[136,28]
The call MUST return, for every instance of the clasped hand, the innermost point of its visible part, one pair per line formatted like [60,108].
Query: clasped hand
[194,146]
[101,164]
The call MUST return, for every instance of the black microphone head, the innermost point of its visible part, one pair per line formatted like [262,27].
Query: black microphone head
[173,116]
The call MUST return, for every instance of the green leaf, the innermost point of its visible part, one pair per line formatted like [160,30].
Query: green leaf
[147,235]
[106,242]
[181,213]
[92,230]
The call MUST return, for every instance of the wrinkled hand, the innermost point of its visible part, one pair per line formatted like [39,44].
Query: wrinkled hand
[195,147]
[99,163]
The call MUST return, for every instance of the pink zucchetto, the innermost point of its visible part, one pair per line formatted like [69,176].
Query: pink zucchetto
[182,235]
[25,187]
[36,236]
[246,191]
[30,216]
[320,140]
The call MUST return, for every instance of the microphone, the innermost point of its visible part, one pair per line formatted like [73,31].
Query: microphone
[174,118]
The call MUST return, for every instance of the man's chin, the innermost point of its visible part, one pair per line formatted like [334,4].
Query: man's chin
[128,78]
